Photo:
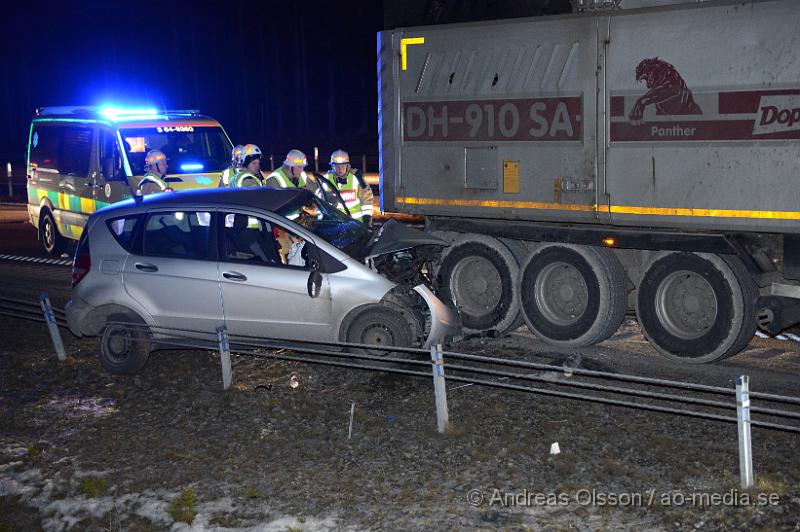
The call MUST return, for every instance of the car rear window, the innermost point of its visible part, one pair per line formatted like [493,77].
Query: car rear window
[124,230]
[179,234]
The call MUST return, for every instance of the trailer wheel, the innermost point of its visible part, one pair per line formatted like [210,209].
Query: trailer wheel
[572,295]
[54,243]
[479,273]
[697,307]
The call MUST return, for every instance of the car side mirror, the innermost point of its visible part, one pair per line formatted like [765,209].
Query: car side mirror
[314,284]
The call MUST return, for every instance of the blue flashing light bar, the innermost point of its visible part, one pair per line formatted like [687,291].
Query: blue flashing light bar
[115,113]
[191,167]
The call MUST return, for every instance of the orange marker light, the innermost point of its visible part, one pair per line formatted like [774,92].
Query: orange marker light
[610,241]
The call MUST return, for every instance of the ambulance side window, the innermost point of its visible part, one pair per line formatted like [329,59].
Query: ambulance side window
[76,151]
[45,146]
[110,161]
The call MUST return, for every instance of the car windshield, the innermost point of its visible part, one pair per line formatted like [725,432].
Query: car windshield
[313,210]
[189,149]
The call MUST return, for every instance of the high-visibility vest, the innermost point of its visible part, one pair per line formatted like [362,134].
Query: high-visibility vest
[150,177]
[349,192]
[225,178]
[285,180]
[242,176]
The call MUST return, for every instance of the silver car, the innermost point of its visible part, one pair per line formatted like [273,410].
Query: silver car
[264,263]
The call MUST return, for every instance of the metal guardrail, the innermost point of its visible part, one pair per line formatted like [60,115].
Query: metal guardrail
[478,370]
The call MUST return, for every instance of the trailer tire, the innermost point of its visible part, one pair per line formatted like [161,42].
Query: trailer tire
[479,274]
[572,295]
[697,307]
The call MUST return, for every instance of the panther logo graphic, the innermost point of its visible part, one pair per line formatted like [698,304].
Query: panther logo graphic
[667,91]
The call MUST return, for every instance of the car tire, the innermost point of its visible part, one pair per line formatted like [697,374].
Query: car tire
[697,307]
[53,242]
[379,326]
[479,274]
[572,295]
[124,344]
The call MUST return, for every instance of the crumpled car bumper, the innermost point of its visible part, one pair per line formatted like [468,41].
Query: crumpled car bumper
[445,322]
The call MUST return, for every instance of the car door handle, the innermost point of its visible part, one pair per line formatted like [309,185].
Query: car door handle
[146,267]
[234,276]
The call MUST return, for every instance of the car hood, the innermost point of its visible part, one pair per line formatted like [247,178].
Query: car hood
[394,236]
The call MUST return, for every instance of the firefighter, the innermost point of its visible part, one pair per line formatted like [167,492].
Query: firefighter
[249,175]
[236,163]
[355,193]
[292,173]
[153,181]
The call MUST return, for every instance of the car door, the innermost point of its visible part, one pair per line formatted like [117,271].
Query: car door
[112,181]
[77,178]
[264,273]
[173,273]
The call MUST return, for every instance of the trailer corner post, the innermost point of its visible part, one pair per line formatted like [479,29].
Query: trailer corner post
[743,422]
[225,357]
[52,326]
[439,390]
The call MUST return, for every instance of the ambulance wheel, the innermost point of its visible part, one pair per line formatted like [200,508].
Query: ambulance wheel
[479,274]
[53,242]
[697,307]
[572,295]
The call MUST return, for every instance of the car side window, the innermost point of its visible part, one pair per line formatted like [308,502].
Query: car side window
[184,235]
[124,230]
[255,240]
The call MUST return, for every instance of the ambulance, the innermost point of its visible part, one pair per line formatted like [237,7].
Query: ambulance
[81,159]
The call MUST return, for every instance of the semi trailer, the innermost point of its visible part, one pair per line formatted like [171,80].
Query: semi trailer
[639,159]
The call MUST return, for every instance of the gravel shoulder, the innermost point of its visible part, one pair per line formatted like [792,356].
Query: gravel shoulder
[84,450]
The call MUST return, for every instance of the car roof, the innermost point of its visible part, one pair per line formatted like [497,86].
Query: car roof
[278,200]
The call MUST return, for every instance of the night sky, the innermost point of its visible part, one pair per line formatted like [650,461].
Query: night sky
[278,74]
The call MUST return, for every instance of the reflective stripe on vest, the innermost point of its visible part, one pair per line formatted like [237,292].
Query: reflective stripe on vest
[236,180]
[150,177]
[349,193]
[285,181]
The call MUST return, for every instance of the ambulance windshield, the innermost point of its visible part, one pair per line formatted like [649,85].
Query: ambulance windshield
[189,149]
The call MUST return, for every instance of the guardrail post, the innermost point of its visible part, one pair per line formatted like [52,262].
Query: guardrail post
[10,185]
[225,357]
[316,159]
[363,165]
[271,162]
[745,444]
[439,390]
[52,326]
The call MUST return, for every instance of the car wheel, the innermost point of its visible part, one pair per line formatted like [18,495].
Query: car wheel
[124,345]
[697,307]
[53,242]
[380,327]
[572,295]
[479,274]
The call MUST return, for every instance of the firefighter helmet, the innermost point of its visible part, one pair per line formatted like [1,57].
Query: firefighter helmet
[340,163]
[249,153]
[296,158]
[236,156]
[153,158]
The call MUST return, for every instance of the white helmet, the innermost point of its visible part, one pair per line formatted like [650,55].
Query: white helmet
[340,160]
[296,158]
[250,152]
[236,156]
[153,158]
